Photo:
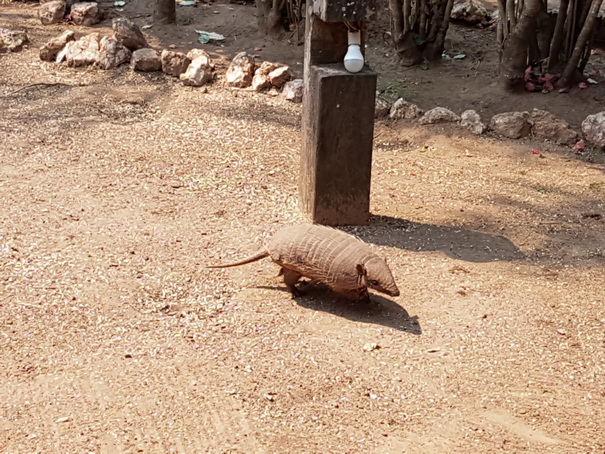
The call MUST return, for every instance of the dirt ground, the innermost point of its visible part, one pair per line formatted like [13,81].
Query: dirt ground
[117,188]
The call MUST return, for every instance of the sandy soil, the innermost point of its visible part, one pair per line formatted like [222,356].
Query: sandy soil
[117,188]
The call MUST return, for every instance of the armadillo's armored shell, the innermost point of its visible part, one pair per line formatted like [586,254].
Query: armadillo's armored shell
[329,256]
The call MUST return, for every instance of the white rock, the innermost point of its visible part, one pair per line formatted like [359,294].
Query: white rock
[471,120]
[84,51]
[293,90]
[470,12]
[438,115]
[593,128]
[513,125]
[241,71]
[260,80]
[86,13]
[381,108]
[51,12]
[403,109]
[198,53]
[146,60]
[49,51]
[12,40]
[174,63]
[279,76]
[128,33]
[112,53]
[198,73]
[545,125]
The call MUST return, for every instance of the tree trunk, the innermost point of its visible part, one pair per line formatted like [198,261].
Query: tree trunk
[571,68]
[435,49]
[514,49]
[398,25]
[164,12]
[554,56]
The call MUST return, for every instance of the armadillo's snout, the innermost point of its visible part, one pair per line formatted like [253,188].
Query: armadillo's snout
[394,292]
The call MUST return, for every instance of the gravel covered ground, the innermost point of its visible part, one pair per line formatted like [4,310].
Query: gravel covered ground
[117,188]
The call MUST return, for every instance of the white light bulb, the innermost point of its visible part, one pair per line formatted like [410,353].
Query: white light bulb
[354,58]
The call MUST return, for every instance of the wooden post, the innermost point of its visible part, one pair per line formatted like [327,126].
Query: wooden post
[338,117]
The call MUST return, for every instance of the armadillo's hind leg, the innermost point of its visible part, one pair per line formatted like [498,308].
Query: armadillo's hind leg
[290,279]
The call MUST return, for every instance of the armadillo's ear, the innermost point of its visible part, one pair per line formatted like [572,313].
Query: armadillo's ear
[361,270]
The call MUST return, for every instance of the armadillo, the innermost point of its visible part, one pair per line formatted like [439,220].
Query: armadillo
[341,261]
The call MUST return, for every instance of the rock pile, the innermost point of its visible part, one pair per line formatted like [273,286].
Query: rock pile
[539,124]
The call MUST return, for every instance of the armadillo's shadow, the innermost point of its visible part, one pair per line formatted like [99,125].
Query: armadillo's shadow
[380,311]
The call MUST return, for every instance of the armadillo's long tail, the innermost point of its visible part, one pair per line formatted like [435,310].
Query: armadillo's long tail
[258,256]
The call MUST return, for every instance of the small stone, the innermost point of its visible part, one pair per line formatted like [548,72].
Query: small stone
[403,109]
[371,346]
[84,51]
[438,115]
[49,51]
[128,33]
[63,419]
[545,125]
[471,120]
[293,90]
[513,125]
[12,40]
[52,12]
[86,13]
[240,71]
[174,63]
[382,107]
[197,53]
[146,60]
[593,128]
[112,53]
[198,73]
[260,80]
[278,77]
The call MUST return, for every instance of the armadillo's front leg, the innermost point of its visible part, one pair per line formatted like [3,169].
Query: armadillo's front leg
[290,279]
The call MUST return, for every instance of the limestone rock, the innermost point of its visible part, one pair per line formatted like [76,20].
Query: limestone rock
[438,115]
[62,55]
[470,12]
[593,128]
[86,13]
[128,33]
[513,125]
[471,120]
[198,73]
[260,80]
[241,71]
[112,53]
[382,107]
[545,125]
[52,12]
[84,51]
[49,51]
[146,60]
[293,90]
[403,109]
[194,54]
[12,40]
[278,77]
[174,63]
